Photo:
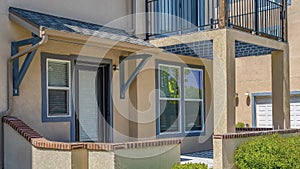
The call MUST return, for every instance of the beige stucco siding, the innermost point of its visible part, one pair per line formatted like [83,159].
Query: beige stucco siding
[100,12]
[27,106]
[18,151]
[147,101]
[253,74]
[8,33]
[139,103]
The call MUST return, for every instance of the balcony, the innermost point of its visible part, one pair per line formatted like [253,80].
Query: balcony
[175,17]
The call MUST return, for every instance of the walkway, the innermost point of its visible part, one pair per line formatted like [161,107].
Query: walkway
[205,157]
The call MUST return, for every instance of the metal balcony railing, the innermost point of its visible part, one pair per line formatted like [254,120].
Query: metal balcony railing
[173,17]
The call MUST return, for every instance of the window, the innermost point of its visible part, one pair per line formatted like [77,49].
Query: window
[193,99]
[58,87]
[181,104]
[169,77]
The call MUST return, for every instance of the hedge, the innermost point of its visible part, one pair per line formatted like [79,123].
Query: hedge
[190,166]
[268,152]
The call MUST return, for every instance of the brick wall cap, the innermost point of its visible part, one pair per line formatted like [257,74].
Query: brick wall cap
[39,141]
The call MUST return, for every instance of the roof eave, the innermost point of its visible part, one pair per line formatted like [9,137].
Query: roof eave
[101,42]
[74,37]
[22,21]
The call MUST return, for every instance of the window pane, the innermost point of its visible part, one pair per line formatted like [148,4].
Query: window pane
[193,117]
[169,82]
[193,84]
[58,74]
[169,110]
[58,102]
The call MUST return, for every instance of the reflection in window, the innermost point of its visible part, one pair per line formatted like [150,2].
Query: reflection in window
[177,114]
[169,116]
[169,82]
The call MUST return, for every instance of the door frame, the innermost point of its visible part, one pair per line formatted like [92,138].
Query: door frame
[96,63]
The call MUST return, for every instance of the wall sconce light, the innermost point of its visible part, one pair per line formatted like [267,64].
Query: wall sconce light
[248,100]
[115,67]
[237,101]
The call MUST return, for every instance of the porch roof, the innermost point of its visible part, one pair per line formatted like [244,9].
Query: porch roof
[38,20]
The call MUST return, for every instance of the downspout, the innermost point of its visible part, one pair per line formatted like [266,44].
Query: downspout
[10,80]
[10,72]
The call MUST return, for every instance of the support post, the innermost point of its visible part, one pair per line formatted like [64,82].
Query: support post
[224,93]
[223,22]
[224,84]
[280,89]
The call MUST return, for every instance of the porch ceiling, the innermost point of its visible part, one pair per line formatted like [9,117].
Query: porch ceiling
[204,49]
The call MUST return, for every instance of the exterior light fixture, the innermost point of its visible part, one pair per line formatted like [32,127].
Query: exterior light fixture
[115,67]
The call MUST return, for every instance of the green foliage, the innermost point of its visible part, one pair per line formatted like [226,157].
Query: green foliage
[269,152]
[240,125]
[190,166]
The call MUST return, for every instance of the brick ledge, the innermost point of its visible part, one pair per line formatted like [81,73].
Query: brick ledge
[254,134]
[39,141]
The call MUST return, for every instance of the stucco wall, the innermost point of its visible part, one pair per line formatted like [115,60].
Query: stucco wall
[224,150]
[163,157]
[100,12]
[101,160]
[48,159]
[27,106]
[146,102]
[18,151]
[8,32]
[253,74]
[20,154]
[139,99]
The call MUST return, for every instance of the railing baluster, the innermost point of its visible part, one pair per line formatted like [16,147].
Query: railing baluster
[264,17]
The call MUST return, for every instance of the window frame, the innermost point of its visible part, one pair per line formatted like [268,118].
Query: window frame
[173,99]
[44,77]
[181,115]
[195,100]
[68,89]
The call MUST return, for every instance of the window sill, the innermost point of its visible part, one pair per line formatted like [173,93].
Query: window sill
[191,134]
[57,119]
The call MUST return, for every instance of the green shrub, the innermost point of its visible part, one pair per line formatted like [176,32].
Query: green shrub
[269,152]
[190,166]
[240,125]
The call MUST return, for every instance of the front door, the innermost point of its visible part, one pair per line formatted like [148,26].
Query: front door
[92,103]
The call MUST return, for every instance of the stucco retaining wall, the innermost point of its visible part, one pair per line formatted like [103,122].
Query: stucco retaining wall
[226,144]
[26,149]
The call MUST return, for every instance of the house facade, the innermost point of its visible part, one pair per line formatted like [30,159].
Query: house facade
[254,90]
[127,71]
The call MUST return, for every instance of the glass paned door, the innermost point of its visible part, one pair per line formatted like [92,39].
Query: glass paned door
[92,105]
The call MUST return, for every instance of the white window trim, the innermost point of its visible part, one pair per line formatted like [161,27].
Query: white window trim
[199,100]
[68,89]
[177,99]
[181,116]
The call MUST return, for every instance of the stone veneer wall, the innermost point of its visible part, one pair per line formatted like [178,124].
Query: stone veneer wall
[25,148]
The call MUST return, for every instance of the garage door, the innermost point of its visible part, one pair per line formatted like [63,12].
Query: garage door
[264,112]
